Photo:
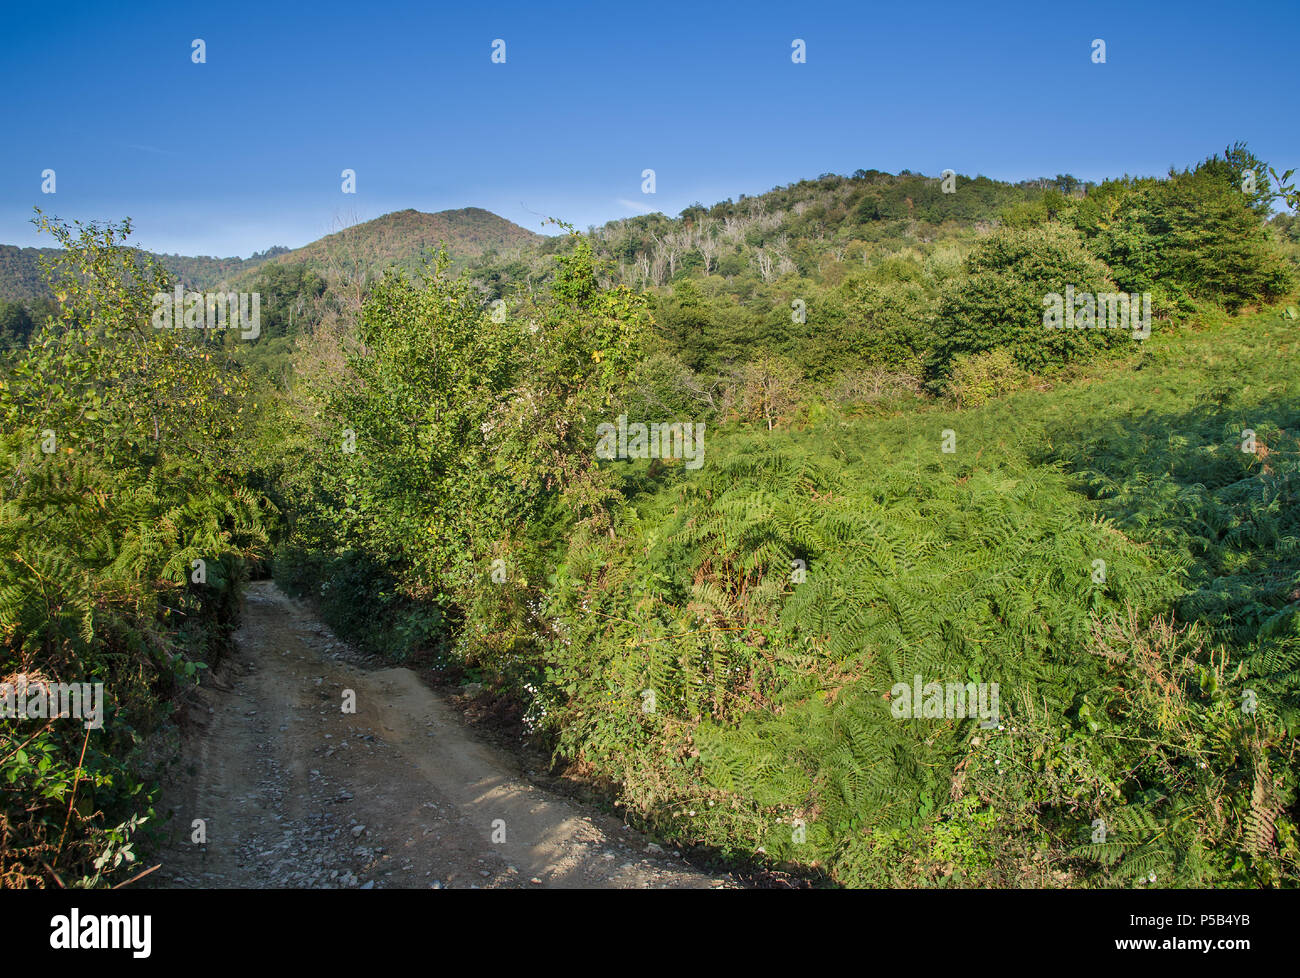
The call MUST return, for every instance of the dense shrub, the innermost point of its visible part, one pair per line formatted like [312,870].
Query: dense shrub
[1000,304]
[769,691]
[362,599]
[979,378]
[126,529]
[453,441]
[1194,235]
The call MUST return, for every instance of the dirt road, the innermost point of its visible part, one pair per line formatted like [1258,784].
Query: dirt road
[294,792]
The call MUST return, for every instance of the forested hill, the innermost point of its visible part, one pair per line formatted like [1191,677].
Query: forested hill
[827,277]
[291,282]
[802,221]
[20,273]
[406,238]
[21,279]
[403,238]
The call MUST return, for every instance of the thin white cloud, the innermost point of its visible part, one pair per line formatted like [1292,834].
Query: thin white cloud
[634,206]
[150,149]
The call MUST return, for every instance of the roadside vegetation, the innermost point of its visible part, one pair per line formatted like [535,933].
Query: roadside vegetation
[904,473]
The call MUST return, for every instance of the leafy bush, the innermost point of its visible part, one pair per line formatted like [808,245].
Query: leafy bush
[473,436]
[768,693]
[1000,305]
[979,378]
[1194,235]
[874,385]
[120,440]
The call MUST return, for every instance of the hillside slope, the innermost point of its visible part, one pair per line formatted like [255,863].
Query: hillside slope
[403,238]
[21,279]
[406,238]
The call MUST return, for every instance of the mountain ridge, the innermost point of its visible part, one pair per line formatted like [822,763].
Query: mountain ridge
[402,238]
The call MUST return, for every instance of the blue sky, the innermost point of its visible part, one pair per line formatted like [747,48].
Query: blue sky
[245,151]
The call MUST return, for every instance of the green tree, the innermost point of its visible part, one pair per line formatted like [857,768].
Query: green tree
[121,442]
[16,324]
[1001,302]
[1197,234]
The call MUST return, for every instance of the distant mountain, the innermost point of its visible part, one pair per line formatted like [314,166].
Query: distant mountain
[204,273]
[20,273]
[403,238]
[406,238]
[21,279]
